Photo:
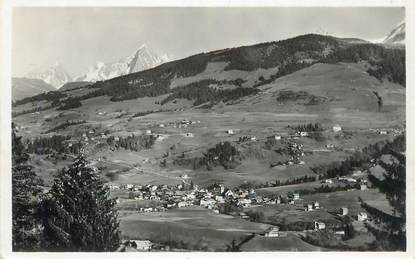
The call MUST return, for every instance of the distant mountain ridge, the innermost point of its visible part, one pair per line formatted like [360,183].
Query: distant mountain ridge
[25,87]
[397,35]
[55,75]
[141,59]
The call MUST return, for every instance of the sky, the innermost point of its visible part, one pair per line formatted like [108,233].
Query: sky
[78,37]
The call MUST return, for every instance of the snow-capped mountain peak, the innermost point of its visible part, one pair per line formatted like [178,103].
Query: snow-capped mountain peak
[55,75]
[397,35]
[141,59]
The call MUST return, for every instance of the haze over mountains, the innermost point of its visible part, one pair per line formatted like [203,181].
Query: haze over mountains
[141,59]
[397,35]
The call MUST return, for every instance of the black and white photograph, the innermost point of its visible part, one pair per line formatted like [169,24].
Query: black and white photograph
[206,129]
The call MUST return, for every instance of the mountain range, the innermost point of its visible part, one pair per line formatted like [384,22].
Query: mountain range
[141,59]
[397,35]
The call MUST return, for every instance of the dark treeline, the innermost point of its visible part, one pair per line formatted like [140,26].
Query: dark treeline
[65,125]
[47,145]
[49,96]
[223,154]
[360,158]
[310,127]
[70,103]
[309,99]
[200,92]
[388,63]
[133,142]
[297,180]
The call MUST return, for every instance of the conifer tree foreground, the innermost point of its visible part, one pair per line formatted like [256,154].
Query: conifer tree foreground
[390,230]
[25,188]
[78,214]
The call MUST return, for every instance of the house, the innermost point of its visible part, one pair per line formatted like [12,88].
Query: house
[253,138]
[148,131]
[272,232]
[274,137]
[189,135]
[363,187]
[207,202]
[337,128]
[362,216]
[318,225]
[161,125]
[184,176]
[148,209]
[303,134]
[182,204]
[340,232]
[383,132]
[316,205]
[230,131]
[296,196]
[142,245]
[344,211]
[243,215]
[329,181]
[330,146]
[309,207]
[244,202]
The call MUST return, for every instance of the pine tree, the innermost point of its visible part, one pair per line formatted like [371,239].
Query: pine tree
[78,214]
[390,230]
[25,188]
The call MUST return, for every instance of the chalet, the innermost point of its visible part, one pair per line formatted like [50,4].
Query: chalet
[243,215]
[141,245]
[337,128]
[182,204]
[219,199]
[272,232]
[244,202]
[330,146]
[148,209]
[318,225]
[362,216]
[303,134]
[340,232]
[207,202]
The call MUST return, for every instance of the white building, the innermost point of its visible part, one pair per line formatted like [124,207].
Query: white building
[230,131]
[362,216]
[363,187]
[319,225]
[303,134]
[296,196]
[337,128]
[148,131]
[142,245]
[273,232]
[344,211]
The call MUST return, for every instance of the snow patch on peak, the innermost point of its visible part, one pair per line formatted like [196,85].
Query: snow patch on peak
[55,75]
[397,35]
[141,59]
